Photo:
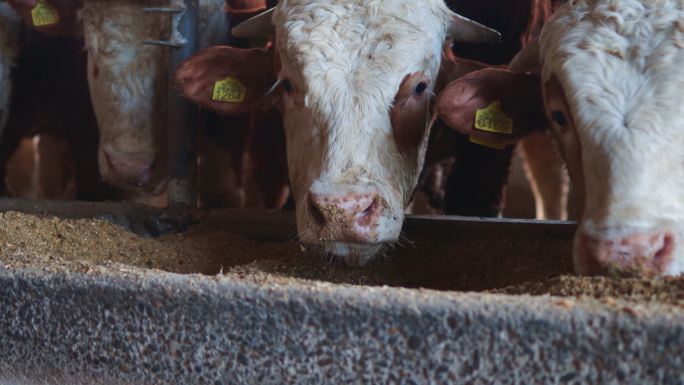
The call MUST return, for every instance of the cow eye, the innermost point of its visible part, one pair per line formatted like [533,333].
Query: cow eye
[287,86]
[559,118]
[420,88]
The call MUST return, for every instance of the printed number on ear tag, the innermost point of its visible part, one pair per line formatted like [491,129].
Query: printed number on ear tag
[487,143]
[44,14]
[229,90]
[493,119]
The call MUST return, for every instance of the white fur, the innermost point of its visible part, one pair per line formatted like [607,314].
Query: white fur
[347,60]
[129,93]
[621,65]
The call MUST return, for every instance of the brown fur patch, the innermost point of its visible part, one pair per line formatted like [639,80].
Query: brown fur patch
[519,94]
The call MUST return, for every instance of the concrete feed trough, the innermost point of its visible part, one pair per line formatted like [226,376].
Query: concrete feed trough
[118,324]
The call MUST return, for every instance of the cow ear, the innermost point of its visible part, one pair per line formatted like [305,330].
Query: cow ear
[453,67]
[527,59]
[225,79]
[464,30]
[51,17]
[255,27]
[493,106]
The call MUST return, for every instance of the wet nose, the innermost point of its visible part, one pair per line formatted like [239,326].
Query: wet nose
[128,169]
[640,253]
[352,217]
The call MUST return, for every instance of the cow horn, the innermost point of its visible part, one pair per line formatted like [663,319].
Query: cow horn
[257,26]
[527,59]
[464,30]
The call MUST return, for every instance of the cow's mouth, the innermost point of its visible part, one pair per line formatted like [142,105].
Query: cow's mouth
[351,254]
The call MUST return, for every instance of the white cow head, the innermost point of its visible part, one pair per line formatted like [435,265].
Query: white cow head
[128,86]
[355,81]
[612,81]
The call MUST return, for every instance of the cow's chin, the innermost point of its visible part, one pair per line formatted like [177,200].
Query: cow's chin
[351,254]
[148,190]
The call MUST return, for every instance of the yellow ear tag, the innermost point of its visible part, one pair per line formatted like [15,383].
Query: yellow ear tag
[487,143]
[229,90]
[493,119]
[44,14]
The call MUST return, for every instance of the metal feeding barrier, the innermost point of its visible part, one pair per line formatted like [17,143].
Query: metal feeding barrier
[182,116]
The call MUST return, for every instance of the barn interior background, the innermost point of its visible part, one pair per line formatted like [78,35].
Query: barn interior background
[127,293]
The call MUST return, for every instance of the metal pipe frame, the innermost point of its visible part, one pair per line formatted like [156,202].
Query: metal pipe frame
[182,115]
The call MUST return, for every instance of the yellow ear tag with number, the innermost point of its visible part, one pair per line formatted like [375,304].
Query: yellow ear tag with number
[44,14]
[229,90]
[493,119]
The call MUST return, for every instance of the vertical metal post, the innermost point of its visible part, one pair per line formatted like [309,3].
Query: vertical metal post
[182,131]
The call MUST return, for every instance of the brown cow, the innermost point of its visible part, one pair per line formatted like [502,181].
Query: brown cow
[50,94]
[255,141]
[475,185]
[50,17]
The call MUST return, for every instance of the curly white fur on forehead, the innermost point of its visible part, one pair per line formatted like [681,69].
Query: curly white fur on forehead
[621,57]
[366,47]
[643,33]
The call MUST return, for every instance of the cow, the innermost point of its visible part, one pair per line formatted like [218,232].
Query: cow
[252,143]
[354,80]
[10,28]
[50,17]
[41,168]
[610,84]
[50,94]
[128,86]
[477,174]
[128,82]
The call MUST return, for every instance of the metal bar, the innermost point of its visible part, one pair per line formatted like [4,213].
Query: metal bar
[182,116]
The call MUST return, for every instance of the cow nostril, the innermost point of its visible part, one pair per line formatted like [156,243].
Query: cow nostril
[368,216]
[666,250]
[315,212]
[371,209]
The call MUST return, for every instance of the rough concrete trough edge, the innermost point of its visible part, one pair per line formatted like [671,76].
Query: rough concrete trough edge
[163,328]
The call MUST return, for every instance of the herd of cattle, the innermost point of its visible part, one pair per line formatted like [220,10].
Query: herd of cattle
[351,106]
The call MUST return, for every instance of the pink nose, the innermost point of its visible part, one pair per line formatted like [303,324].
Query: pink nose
[649,253]
[128,170]
[353,217]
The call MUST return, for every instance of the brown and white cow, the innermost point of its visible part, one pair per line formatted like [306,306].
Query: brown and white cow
[128,82]
[611,78]
[128,86]
[242,158]
[50,94]
[50,17]
[10,28]
[475,179]
[354,80]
